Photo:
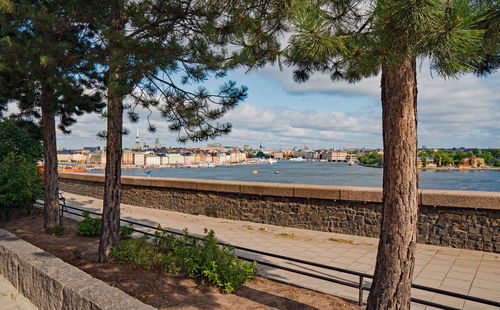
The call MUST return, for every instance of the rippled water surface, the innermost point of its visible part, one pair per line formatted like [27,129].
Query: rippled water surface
[325,173]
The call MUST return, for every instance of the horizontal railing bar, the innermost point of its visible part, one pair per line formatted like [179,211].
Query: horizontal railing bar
[433,304]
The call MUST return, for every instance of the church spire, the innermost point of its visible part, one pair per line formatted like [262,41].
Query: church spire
[137,142]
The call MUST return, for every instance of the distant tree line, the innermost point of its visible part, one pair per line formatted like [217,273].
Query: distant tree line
[372,159]
[448,157]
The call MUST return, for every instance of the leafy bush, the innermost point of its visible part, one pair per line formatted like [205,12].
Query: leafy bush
[20,184]
[202,258]
[126,232]
[89,227]
[92,227]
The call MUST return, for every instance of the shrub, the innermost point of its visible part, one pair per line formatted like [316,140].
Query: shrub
[203,258]
[92,227]
[20,184]
[57,230]
[126,232]
[89,227]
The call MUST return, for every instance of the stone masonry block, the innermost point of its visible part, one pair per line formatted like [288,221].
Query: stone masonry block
[218,186]
[465,199]
[365,194]
[316,191]
[270,189]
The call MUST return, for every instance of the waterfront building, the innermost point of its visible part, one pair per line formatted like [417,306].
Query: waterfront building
[336,156]
[64,157]
[152,160]
[474,161]
[278,155]
[127,158]
[98,158]
[175,159]
[77,157]
[139,159]
[188,159]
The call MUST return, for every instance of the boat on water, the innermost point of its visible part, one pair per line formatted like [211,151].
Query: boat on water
[272,161]
[72,170]
[297,159]
[351,162]
[277,172]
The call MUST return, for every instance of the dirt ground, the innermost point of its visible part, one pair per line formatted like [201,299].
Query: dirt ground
[161,290]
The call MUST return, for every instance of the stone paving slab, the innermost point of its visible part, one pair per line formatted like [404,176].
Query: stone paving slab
[463,271]
[11,299]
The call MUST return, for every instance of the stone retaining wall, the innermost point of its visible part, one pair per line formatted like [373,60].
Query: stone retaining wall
[462,219]
[49,283]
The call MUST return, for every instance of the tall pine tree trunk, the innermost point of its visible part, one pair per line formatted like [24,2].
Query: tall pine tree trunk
[396,251]
[51,177]
[110,236]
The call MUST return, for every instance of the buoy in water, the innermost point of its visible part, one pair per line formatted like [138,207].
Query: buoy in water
[255,171]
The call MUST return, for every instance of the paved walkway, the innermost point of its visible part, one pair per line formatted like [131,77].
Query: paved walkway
[11,299]
[463,271]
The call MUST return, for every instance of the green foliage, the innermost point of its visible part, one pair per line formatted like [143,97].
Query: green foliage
[45,62]
[373,159]
[88,226]
[20,184]
[15,138]
[203,258]
[126,232]
[57,230]
[92,226]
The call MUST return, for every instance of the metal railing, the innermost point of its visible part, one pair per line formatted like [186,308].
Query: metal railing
[360,285]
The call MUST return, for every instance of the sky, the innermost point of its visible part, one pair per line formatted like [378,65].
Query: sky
[280,113]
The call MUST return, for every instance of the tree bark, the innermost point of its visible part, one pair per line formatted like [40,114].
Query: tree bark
[391,288]
[51,176]
[110,236]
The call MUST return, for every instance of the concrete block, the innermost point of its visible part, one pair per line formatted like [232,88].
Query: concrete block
[218,186]
[316,191]
[50,283]
[366,194]
[269,189]
[98,178]
[463,199]
[174,183]
[141,181]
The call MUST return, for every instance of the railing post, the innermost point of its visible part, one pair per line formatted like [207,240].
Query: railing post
[360,287]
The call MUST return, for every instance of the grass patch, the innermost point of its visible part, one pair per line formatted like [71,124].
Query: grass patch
[286,235]
[341,240]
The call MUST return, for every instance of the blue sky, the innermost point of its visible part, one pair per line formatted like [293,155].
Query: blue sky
[322,114]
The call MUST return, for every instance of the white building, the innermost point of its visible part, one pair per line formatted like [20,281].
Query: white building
[139,159]
[175,159]
[189,159]
[152,160]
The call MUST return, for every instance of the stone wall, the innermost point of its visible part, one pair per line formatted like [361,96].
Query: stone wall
[452,218]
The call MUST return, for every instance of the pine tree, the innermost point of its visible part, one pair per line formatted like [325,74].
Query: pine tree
[153,52]
[43,68]
[351,40]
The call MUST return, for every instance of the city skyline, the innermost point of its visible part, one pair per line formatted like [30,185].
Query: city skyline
[322,114]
